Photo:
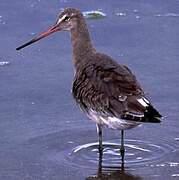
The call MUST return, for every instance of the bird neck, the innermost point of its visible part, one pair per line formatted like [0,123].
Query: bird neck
[81,43]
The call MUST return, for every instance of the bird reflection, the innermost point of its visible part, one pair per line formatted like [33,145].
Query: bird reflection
[111,173]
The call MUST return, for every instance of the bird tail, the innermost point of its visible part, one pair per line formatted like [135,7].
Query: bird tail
[141,110]
[152,115]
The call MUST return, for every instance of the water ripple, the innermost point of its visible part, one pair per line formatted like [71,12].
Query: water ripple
[4,63]
[167,15]
[138,153]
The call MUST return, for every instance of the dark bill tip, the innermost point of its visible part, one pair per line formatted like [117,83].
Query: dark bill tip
[40,36]
[26,44]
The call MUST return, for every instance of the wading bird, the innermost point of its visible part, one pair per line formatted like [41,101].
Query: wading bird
[106,91]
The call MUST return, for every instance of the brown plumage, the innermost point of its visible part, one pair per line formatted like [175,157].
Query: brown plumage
[106,91]
[107,87]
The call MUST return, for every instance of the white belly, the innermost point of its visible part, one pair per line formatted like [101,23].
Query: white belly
[111,121]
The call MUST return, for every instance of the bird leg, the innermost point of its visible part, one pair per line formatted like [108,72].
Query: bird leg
[100,164]
[99,131]
[122,149]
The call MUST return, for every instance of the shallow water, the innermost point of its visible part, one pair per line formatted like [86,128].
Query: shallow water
[43,135]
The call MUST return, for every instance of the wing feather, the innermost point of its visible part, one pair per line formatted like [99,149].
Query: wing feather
[107,87]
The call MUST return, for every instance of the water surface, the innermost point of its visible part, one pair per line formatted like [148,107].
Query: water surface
[43,135]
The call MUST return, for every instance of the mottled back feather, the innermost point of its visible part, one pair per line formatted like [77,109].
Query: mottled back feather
[107,87]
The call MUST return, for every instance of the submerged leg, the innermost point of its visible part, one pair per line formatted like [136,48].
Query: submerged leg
[99,131]
[122,149]
[100,164]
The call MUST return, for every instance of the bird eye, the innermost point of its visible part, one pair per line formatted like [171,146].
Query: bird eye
[66,18]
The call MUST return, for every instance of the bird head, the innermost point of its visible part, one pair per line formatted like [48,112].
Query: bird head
[67,20]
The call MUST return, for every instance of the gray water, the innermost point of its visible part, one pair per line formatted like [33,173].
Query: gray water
[43,134]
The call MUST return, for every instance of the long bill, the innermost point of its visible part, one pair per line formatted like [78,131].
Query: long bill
[40,36]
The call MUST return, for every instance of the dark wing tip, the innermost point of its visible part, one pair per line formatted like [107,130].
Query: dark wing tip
[152,112]
[150,115]
[140,119]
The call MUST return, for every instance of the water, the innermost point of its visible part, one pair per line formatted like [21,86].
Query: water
[43,135]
